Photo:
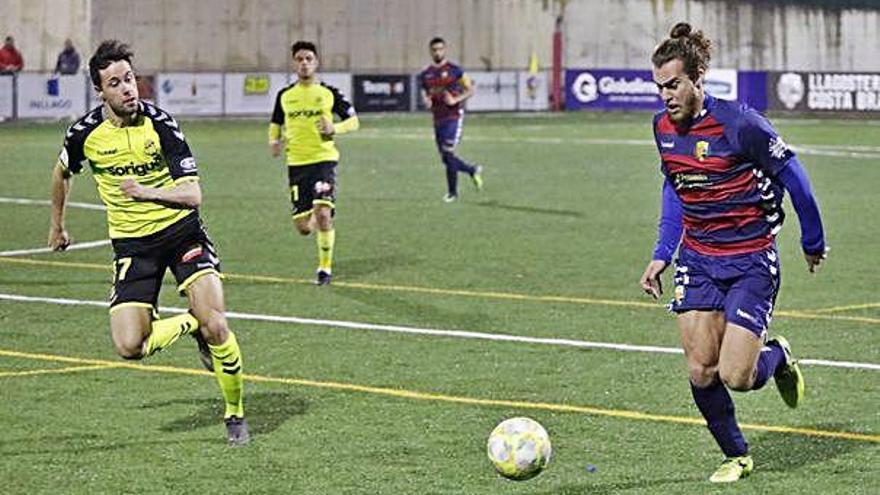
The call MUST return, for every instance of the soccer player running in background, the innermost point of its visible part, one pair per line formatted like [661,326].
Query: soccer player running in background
[444,88]
[148,179]
[726,171]
[305,109]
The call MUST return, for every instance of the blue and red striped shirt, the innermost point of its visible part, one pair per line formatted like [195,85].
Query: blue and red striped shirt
[724,169]
[437,80]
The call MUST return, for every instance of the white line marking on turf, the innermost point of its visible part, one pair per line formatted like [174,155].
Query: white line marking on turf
[72,247]
[46,202]
[429,331]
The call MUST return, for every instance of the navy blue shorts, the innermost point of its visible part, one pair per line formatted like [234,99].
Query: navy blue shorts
[447,134]
[744,286]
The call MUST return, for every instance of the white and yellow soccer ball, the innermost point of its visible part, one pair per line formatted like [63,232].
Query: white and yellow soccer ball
[519,448]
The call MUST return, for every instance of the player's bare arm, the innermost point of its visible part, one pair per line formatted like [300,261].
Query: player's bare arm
[58,236]
[186,194]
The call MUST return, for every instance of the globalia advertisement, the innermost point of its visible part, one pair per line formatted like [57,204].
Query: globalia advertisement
[623,89]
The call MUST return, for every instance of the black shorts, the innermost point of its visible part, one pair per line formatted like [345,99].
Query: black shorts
[310,185]
[139,263]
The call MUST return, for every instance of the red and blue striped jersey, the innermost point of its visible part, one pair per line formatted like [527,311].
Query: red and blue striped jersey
[437,80]
[724,166]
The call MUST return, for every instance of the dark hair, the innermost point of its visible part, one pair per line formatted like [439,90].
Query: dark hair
[692,48]
[108,51]
[435,40]
[303,45]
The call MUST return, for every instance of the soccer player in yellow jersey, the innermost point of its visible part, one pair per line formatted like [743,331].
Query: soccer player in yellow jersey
[148,179]
[305,109]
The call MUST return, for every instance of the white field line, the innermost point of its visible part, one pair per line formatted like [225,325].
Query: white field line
[858,151]
[72,247]
[45,202]
[352,325]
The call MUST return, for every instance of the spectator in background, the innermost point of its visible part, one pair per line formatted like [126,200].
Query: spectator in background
[68,59]
[10,57]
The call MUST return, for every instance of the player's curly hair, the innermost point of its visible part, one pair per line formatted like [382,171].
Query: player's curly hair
[303,45]
[694,49]
[108,51]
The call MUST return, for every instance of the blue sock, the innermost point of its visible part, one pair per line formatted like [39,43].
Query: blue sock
[769,359]
[451,174]
[717,407]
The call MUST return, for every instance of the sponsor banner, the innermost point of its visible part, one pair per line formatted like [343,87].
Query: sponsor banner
[6,101]
[50,96]
[190,94]
[493,91]
[633,89]
[382,93]
[534,93]
[340,81]
[252,93]
[753,89]
[856,92]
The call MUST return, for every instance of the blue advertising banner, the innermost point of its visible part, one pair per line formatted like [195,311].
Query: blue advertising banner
[604,89]
[609,89]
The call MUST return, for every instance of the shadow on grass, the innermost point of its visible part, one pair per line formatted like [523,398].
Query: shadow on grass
[265,412]
[784,452]
[530,209]
[597,488]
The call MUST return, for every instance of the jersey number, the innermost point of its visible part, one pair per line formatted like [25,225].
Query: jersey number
[122,266]
[294,194]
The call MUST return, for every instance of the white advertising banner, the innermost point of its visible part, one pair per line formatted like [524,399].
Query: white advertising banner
[50,96]
[190,94]
[253,93]
[722,83]
[494,91]
[339,80]
[6,101]
[533,91]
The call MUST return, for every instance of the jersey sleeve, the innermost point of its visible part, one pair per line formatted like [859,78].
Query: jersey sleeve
[72,154]
[341,107]
[760,142]
[178,156]
[278,111]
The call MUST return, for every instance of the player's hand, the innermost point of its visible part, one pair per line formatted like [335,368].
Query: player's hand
[814,260]
[58,238]
[275,148]
[325,126]
[134,190]
[429,103]
[650,280]
[449,99]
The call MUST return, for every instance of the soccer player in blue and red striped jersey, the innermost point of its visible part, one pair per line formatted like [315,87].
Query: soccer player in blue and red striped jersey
[445,87]
[726,171]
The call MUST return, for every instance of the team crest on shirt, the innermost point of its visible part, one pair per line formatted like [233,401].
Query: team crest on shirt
[150,147]
[701,150]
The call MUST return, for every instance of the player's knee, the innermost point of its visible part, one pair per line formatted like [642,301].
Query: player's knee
[214,328]
[702,375]
[734,378]
[129,350]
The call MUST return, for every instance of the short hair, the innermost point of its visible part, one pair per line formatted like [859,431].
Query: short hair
[692,48]
[303,45]
[435,40]
[108,51]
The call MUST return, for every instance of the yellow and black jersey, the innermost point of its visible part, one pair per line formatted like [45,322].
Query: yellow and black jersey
[298,108]
[154,153]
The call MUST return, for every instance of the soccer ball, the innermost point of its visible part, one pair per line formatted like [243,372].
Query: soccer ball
[519,448]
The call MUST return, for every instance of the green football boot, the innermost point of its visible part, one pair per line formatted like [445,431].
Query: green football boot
[788,377]
[733,469]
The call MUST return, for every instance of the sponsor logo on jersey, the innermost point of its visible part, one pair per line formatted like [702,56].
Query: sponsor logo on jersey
[295,114]
[135,169]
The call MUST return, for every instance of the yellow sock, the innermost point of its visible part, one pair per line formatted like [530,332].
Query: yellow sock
[227,369]
[326,240]
[166,331]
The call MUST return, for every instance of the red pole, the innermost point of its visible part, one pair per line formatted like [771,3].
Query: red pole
[556,74]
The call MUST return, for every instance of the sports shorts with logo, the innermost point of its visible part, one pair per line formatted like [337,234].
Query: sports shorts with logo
[744,286]
[139,263]
[311,185]
[447,133]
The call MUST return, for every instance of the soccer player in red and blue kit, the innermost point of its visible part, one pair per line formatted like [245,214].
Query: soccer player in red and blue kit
[726,171]
[445,87]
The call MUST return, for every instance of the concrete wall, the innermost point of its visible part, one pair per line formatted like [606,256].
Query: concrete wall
[391,35]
